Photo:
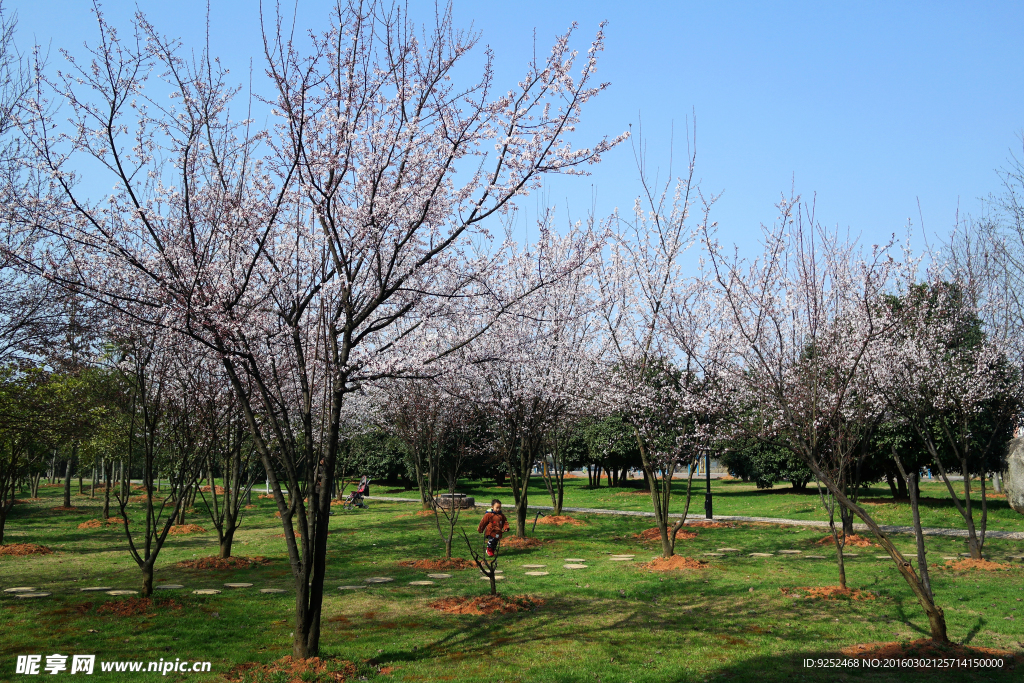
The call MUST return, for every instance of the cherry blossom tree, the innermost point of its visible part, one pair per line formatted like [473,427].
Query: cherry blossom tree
[801,321]
[304,254]
[653,309]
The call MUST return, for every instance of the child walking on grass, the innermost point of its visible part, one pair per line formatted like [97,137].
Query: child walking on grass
[492,526]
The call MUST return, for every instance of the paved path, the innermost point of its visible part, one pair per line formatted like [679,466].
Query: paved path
[887,528]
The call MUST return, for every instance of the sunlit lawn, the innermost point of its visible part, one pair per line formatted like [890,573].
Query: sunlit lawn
[610,622]
[733,497]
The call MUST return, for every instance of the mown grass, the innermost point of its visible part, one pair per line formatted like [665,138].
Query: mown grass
[612,622]
[733,497]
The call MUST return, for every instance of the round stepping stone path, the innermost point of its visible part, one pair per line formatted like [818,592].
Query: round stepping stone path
[163,587]
[574,566]
[350,588]
[275,590]
[714,554]
[20,589]
[238,585]
[536,573]
[439,576]
[814,557]
[27,596]
[533,566]
[761,555]
[206,591]
[790,552]
[729,550]
[496,578]
[123,592]
[621,559]
[886,557]
[575,559]
[851,555]
[100,589]
[421,583]
[1016,558]
[378,579]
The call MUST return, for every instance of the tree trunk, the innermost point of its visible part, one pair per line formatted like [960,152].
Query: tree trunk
[67,480]
[892,485]
[108,473]
[225,543]
[147,578]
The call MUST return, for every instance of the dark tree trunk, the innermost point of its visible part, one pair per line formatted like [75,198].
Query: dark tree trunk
[67,482]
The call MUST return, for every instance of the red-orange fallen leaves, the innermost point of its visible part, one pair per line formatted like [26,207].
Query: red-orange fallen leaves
[184,529]
[487,604]
[653,534]
[676,562]
[24,549]
[560,520]
[853,540]
[828,593]
[438,565]
[517,543]
[135,607]
[971,563]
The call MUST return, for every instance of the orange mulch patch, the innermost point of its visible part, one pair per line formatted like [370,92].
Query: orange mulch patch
[134,607]
[24,549]
[487,604]
[268,496]
[250,507]
[560,520]
[206,489]
[927,649]
[852,540]
[224,563]
[183,529]
[91,524]
[294,670]
[436,565]
[711,525]
[971,563]
[518,543]
[828,593]
[653,534]
[668,564]
[61,508]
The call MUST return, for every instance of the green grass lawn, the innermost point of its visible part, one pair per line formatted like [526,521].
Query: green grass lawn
[611,622]
[733,497]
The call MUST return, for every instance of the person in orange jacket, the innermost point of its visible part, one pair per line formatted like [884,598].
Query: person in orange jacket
[492,526]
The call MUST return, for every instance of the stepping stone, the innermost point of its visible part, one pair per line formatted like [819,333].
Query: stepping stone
[350,588]
[533,566]
[238,585]
[123,592]
[814,557]
[536,573]
[496,578]
[851,555]
[729,550]
[574,559]
[761,555]
[378,579]
[1016,558]
[421,583]
[279,590]
[166,587]
[31,595]
[20,589]
[206,591]
[790,552]
[886,557]
[714,554]
[439,576]
[624,556]
[621,559]
[92,589]
[965,554]
[574,566]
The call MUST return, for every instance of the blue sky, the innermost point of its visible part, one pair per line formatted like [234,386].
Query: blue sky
[870,106]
